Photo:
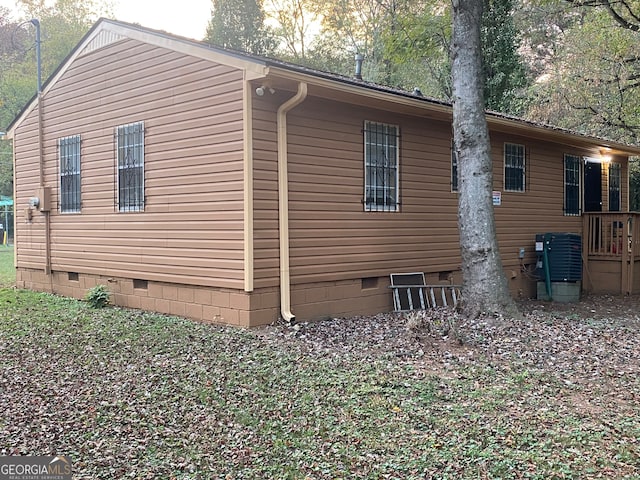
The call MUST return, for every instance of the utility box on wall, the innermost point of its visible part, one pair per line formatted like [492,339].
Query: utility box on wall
[44,196]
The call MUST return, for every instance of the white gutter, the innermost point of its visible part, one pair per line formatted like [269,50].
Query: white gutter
[283,201]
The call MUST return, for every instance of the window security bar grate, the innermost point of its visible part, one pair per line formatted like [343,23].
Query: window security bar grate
[69,156]
[381,167]
[130,147]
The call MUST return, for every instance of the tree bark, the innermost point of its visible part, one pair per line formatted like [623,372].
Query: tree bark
[485,288]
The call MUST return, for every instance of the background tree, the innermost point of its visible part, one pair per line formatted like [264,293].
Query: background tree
[240,25]
[419,47]
[485,287]
[504,71]
[63,24]
[15,89]
[599,99]
[294,19]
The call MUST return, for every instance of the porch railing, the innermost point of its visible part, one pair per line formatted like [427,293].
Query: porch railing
[615,237]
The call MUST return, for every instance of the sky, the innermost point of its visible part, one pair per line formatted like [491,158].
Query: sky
[189,19]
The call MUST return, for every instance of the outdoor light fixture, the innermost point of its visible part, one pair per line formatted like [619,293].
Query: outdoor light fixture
[605,155]
[262,89]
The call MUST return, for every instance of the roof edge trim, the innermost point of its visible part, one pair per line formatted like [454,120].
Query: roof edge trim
[254,67]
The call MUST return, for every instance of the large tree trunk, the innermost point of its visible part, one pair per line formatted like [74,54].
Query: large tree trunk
[485,289]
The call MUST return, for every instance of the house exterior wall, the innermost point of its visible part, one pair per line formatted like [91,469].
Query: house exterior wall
[341,256]
[191,229]
[185,253]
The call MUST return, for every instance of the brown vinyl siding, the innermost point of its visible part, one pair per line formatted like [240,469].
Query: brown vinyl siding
[31,251]
[191,230]
[265,193]
[333,238]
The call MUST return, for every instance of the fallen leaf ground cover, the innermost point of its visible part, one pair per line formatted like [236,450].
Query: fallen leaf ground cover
[129,394]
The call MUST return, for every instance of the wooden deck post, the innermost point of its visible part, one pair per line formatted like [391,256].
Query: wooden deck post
[586,279]
[630,242]
[625,286]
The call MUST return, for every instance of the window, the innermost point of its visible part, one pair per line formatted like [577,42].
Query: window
[513,167]
[381,154]
[572,185]
[69,159]
[614,187]
[454,169]
[130,152]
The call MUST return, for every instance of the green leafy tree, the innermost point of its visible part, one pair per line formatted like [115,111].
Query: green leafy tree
[418,43]
[603,98]
[62,25]
[15,89]
[240,25]
[504,71]
[421,40]
[594,84]
[294,20]
[360,26]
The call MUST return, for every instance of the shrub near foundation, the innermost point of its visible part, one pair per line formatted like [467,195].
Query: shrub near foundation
[98,296]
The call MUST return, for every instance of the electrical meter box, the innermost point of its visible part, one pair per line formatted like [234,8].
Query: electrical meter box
[44,196]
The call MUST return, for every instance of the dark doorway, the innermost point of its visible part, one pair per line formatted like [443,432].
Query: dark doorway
[592,187]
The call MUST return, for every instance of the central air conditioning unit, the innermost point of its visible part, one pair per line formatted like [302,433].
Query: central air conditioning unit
[559,266]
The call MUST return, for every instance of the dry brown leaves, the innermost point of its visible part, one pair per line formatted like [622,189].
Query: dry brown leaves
[588,343]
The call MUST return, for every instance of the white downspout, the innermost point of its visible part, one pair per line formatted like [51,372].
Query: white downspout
[283,201]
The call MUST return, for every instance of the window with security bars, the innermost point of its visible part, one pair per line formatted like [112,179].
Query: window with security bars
[381,155]
[614,187]
[69,161]
[514,167]
[454,170]
[572,177]
[130,153]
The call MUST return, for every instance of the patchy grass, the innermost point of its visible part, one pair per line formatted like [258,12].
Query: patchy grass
[7,272]
[129,394]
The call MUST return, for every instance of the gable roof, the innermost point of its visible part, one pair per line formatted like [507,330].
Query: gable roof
[106,31]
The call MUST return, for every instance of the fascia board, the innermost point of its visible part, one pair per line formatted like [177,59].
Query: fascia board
[253,68]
